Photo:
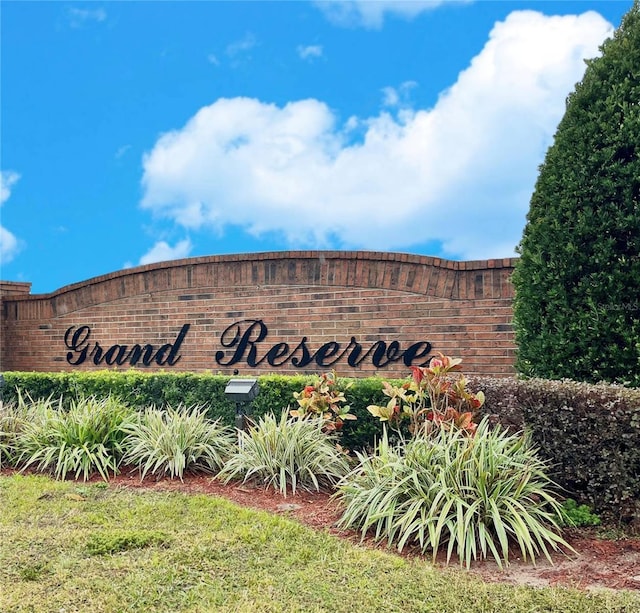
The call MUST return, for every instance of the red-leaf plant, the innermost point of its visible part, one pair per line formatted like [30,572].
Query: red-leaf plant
[433,396]
[322,398]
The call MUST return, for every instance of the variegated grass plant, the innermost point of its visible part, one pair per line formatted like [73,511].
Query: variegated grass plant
[475,494]
[13,418]
[287,454]
[82,440]
[173,441]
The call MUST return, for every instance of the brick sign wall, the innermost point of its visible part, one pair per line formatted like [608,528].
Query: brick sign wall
[357,312]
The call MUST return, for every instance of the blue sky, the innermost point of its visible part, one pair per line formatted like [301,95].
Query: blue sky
[134,132]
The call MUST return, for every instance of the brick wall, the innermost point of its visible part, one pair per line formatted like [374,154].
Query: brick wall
[461,308]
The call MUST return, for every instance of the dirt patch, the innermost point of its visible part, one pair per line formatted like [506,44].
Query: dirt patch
[597,563]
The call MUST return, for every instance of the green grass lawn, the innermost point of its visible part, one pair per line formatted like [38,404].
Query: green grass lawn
[68,547]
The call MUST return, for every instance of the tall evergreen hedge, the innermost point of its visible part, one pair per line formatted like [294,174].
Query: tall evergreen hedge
[577,304]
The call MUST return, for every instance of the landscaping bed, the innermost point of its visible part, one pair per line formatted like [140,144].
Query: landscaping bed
[440,479]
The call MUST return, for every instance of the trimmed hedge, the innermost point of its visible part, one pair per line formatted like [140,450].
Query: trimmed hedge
[141,389]
[590,434]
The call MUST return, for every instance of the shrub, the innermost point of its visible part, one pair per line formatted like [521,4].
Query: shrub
[287,453]
[577,282]
[323,399]
[86,438]
[276,392]
[474,494]
[501,404]
[590,435]
[173,441]
[433,397]
[577,515]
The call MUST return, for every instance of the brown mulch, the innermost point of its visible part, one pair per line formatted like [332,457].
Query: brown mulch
[597,563]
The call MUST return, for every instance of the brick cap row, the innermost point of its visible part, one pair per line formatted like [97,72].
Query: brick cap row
[24,288]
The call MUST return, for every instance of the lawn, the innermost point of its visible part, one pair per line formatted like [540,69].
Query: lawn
[67,546]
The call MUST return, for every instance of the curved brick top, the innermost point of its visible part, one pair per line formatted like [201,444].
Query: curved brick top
[416,274]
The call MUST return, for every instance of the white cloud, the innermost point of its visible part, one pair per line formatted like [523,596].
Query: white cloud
[121,151]
[371,14]
[212,59]
[238,52]
[9,244]
[241,46]
[397,96]
[162,251]
[391,97]
[309,52]
[79,17]
[461,173]
[8,179]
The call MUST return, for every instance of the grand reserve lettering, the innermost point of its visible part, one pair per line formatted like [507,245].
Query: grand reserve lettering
[247,337]
[244,342]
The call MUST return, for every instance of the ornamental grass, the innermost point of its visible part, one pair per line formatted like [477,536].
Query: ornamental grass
[172,441]
[476,495]
[287,454]
[13,418]
[81,441]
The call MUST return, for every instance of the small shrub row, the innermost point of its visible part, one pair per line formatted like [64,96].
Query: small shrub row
[99,435]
